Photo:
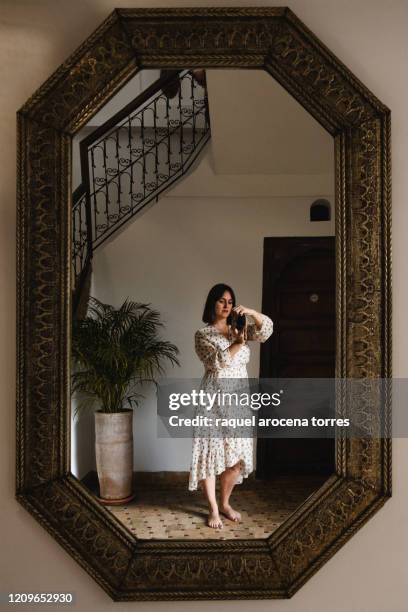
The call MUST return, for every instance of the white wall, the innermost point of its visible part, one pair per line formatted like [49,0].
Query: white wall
[369,574]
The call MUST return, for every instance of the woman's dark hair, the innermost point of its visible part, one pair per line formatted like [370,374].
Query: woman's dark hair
[215,294]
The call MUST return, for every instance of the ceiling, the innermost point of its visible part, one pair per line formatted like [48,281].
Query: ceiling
[258,128]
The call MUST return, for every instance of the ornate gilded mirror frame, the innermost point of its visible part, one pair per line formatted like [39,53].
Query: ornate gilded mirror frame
[272,39]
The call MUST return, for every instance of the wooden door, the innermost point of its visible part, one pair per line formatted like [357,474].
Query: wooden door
[299,296]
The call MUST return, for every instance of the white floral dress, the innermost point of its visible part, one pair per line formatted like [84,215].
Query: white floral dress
[212,455]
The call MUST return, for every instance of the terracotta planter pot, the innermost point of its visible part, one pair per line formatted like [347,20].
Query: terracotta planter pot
[114,455]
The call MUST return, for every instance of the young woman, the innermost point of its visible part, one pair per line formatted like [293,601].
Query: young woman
[225,353]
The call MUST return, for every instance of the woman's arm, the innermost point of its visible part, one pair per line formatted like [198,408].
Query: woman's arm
[258,318]
[262,329]
[262,333]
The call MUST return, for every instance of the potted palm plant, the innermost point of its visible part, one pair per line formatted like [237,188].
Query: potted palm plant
[115,352]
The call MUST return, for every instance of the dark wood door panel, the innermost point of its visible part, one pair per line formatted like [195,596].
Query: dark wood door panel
[315,341]
[299,295]
[315,265]
[304,303]
[297,456]
[306,370]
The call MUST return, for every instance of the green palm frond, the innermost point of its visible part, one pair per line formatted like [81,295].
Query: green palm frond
[115,351]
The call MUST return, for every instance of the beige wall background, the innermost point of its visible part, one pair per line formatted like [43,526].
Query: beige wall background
[370,573]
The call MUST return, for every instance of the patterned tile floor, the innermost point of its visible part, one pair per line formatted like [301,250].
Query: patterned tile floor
[173,512]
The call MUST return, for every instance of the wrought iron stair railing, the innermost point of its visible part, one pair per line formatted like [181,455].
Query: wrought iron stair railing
[127,162]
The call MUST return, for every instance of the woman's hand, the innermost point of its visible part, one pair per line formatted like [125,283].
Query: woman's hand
[243,310]
[257,316]
[239,335]
[238,340]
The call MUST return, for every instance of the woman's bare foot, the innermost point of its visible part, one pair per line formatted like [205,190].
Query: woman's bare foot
[214,520]
[230,513]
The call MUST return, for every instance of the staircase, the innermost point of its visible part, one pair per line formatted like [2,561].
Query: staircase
[131,159]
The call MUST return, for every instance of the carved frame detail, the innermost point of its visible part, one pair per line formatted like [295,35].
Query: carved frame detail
[272,39]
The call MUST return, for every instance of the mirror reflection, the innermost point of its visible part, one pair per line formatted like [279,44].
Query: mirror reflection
[203,248]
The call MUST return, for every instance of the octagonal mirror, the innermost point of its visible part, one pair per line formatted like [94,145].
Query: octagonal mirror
[217,189]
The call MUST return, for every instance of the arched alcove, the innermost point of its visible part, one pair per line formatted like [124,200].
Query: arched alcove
[320,210]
